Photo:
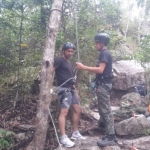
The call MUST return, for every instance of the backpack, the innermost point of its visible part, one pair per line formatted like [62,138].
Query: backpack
[142,90]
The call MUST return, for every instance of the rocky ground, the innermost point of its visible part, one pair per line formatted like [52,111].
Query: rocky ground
[133,132]
[130,115]
[130,131]
[90,143]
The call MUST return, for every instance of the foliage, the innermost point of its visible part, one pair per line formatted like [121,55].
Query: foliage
[103,16]
[145,49]
[22,40]
[22,30]
[6,138]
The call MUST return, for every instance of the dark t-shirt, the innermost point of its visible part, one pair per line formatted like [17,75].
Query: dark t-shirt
[105,57]
[64,71]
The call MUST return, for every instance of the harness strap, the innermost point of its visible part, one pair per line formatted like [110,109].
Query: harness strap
[105,86]
[104,79]
[62,94]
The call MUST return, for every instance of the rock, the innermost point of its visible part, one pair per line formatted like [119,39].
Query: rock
[131,98]
[20,136]
[25,127]
[95,115]
[18,118]
[90,144]
[141,143]
[128,112]
[122,144]
[127,74]
[133,126]
[111,148]
[114,108]
[83,148]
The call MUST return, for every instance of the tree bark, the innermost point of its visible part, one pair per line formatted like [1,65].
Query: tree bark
[19,55]
[46,78]
[129,15]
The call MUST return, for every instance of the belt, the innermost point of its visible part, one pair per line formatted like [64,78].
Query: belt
[105,78]
[105,86]
[62,94]
[101,82]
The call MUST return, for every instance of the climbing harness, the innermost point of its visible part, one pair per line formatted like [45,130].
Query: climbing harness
[73,78]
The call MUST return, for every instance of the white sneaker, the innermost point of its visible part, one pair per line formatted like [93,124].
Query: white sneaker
[77,136]
[66,141]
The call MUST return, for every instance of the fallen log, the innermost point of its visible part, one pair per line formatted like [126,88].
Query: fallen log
[25,127]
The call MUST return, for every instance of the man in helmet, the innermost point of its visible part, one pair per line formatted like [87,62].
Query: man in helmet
[104,76]
[67,94]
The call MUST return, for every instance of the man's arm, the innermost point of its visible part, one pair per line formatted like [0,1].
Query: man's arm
[99,69]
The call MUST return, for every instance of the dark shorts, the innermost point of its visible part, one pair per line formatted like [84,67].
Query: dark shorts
[67,98]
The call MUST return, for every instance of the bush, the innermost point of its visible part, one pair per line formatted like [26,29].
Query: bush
[6,138]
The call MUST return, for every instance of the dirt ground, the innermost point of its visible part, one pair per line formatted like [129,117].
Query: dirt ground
[21,118]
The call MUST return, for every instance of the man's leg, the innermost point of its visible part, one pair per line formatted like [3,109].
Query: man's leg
[76,116]
[101,122]
[105,109]
[64,105]
[62,120]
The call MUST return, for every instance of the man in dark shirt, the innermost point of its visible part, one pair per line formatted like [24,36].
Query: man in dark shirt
[104,76]
[67,94]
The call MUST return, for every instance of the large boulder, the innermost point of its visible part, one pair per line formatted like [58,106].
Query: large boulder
[130,99]
[133,126]
[130,105]
[127,74]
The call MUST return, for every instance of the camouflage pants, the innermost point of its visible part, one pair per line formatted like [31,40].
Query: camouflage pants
[106,116]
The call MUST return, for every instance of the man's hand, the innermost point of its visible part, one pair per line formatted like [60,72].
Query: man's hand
[79,65]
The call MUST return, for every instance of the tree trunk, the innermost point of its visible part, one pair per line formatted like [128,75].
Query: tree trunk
[46,78]
[130,6]
[141,19]
[19,55]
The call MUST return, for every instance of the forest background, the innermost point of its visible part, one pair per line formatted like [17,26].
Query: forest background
[22,39]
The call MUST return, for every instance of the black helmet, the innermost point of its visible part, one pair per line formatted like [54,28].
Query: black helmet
[102,37]
[68,45]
